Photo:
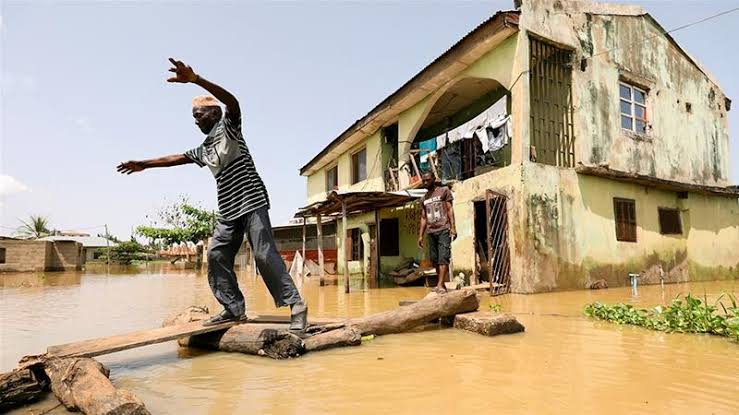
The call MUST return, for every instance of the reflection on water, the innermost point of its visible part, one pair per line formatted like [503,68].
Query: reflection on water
[563,363]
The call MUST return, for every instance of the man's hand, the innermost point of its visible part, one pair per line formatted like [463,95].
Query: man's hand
[420,242]
[130,167]
[183,73]
[453,234]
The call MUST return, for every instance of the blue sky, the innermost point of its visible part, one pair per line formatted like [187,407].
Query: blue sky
[83,88]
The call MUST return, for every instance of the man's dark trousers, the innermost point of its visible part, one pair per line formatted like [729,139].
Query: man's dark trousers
[226,242]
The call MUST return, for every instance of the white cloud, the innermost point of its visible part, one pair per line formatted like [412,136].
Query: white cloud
[84,123]
[18,82]
[9,185]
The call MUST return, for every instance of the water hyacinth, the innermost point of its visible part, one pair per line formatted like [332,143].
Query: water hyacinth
[688,314]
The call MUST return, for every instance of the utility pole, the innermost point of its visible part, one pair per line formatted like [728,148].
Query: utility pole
[107,244]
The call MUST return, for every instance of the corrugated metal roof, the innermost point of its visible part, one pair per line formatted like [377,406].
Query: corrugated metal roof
[506,18]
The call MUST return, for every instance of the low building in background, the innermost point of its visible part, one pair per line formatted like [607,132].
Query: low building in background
[17,255]
[90,244]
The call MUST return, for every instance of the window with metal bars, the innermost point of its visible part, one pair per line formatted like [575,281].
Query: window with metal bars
[633,107]
[624,212]
[552,132]
[669,222]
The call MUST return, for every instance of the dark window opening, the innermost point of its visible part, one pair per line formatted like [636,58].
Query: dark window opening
[481,241]
[357,252]
[390,237]
[2,255]
[332,179]
[359,166]
[391,139]
[624,211]
[669,222]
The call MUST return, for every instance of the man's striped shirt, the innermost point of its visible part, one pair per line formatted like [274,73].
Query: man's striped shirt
[224,151]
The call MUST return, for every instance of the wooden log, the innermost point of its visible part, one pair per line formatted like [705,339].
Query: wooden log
[408,317]
[20,387]
[346,336]
[488,324]
[273,340]
[82,384]
[426,310]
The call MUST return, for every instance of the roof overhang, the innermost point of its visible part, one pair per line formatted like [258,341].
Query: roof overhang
[657,183]
[359,202]
[462,54]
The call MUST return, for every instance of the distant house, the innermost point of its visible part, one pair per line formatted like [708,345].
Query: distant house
[17,255]
[90,244]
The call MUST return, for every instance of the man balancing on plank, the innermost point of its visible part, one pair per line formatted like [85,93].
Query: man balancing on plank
[243,203]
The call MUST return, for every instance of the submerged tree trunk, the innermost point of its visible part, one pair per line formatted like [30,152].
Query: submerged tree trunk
[82,384]
[20,387]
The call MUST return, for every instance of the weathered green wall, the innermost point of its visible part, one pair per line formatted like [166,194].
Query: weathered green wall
[569,237]
[688,146]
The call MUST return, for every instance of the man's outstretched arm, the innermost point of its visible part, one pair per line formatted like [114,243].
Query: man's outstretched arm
[134,166]
[185,74]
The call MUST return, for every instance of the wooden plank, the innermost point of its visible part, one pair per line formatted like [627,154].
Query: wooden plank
[112,344]
[105,345]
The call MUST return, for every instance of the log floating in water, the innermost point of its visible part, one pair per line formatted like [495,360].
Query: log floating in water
[20,387]
[82,384]
[428,309]
[345,336]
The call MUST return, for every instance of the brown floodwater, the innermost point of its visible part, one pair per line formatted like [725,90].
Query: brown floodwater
[563,363]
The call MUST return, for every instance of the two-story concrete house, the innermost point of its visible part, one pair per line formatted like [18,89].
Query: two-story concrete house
[614,158]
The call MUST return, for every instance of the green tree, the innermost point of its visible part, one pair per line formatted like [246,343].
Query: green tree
[35,227]
[180,222]
[126,252]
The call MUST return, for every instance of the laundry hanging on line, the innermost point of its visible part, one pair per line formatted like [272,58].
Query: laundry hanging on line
[496,134]
[476,127]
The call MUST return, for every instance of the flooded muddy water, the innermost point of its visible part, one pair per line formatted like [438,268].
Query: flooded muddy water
[563,363]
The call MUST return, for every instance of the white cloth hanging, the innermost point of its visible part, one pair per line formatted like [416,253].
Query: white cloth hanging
[472,128]
[496,134]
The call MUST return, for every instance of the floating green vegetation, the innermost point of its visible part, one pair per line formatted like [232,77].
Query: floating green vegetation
[684,315]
